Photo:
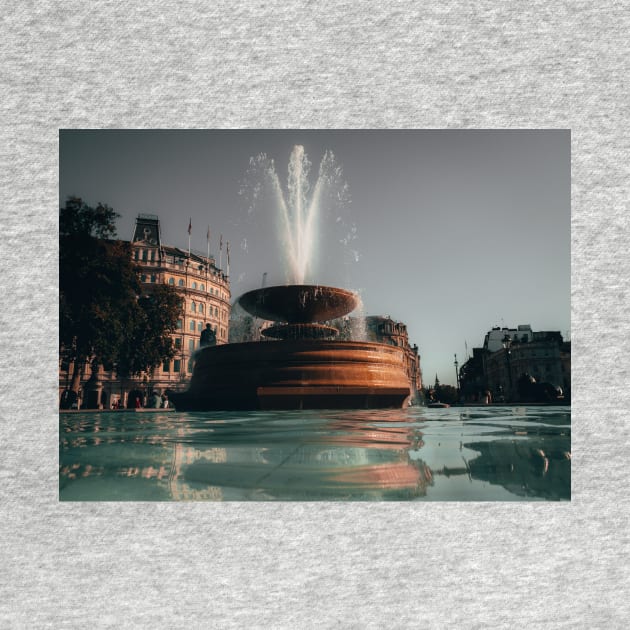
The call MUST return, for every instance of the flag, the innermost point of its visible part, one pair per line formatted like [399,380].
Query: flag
[221,242]
[189,226]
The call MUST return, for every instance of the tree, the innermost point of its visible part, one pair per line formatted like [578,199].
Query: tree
[154,320]
[104,316]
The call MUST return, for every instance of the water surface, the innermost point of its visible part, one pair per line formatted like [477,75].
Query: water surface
[456,454]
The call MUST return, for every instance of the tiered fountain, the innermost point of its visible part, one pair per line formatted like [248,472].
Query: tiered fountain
[304,367]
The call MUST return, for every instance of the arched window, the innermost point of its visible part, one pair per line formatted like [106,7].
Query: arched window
[171,281]
[180,283]
[216,312]
[201,309]
[192,325]
[200,326]
[193,306]
[194,285]
[202,286]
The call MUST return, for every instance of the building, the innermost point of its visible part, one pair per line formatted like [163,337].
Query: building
[205,290]
[386,330]
[495,338]
[518,364]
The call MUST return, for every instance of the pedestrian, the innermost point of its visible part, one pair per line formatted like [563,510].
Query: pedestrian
[155,401]
[138,403]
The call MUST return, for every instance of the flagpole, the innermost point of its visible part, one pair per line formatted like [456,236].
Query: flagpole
[189,232]
[221,252]
[227,249]
[208,239]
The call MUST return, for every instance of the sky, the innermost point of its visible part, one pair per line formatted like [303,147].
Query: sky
[450,231]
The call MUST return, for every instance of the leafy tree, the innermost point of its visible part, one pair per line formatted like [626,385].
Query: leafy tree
[154,320]
[104,316]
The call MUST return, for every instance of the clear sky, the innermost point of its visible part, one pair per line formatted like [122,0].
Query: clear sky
[450,231]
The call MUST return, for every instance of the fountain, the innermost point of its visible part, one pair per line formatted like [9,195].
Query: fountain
[302,366]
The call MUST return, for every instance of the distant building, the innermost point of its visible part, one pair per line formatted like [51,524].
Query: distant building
[386,330]
[518,364]
[495,338]
[205,290]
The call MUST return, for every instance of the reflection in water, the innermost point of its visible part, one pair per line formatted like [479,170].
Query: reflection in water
[345,455]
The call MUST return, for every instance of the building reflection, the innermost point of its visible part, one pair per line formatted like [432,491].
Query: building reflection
[349,458]
[357,456]
[538,467]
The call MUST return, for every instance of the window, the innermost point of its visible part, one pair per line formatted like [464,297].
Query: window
[201,309]
[180,283]
[192,325]
[166,366]
[194,285]
[136,254]
[180,324]
[143,277]
[202,286]
[193,307]
[171,281]
[145,255]
[190,365]
[200,326]
[152,255]
[216,312]
[191,345]
[178,344]
[153,278]
[177,365]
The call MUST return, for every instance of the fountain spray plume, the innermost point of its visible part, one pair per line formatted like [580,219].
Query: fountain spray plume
[299,206]
[299,209]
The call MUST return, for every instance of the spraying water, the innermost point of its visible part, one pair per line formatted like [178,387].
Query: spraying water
[300,206]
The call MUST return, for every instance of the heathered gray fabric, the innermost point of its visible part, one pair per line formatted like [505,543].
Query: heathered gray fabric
[326,64]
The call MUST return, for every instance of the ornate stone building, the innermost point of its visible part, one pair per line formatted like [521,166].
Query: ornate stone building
[386,330]
[205,290]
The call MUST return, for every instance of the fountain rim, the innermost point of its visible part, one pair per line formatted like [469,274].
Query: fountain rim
[253,302]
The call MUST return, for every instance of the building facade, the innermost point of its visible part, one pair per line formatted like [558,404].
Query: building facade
[205,291]
[386,330]
[518,364]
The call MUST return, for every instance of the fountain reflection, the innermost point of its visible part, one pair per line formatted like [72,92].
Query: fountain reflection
[348,458]
[332,455]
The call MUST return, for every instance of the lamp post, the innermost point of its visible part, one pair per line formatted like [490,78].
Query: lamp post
[457,376]
[507,344]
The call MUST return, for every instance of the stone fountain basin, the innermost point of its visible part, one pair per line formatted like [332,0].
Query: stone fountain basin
[297,374]
[299,303]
